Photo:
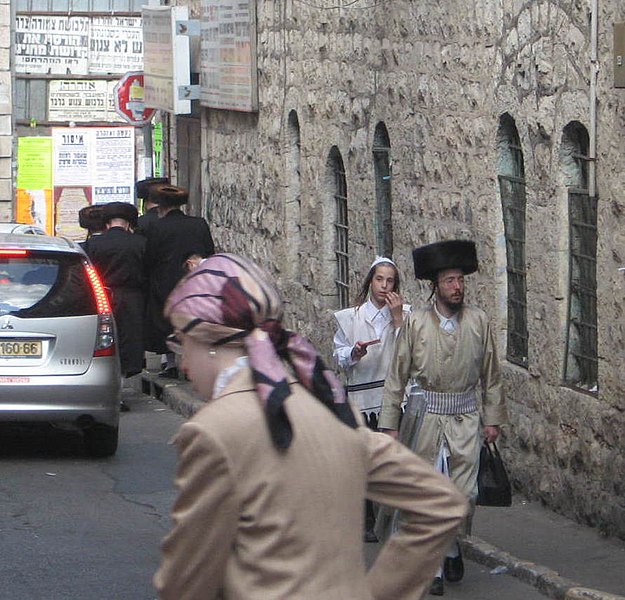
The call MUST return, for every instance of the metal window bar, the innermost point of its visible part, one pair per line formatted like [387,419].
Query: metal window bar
[512,190]
[341,229]
[384,223]
[582,366]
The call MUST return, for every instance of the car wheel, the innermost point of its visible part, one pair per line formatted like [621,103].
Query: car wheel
[101,440]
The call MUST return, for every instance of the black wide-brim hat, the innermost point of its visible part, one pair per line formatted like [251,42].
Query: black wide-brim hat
[120,210]
[451,254]
[90,217]
[167,195]
[142,188]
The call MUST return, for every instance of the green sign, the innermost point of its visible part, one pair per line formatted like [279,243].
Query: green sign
[157,149]
[34,163]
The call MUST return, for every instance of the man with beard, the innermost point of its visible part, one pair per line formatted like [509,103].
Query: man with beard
[448,348]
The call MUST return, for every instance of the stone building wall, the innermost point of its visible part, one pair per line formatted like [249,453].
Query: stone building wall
[6,137]
[439,75]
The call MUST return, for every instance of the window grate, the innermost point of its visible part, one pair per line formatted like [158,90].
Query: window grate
[512,190]
[582,366]
[341,233]
[383,172]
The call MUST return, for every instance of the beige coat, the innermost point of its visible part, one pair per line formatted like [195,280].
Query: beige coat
[253,523]
[462,361]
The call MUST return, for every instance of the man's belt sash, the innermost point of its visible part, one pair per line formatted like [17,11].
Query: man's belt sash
[360,387]
[451,403]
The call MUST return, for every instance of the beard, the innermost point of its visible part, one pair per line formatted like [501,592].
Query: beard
[453,303]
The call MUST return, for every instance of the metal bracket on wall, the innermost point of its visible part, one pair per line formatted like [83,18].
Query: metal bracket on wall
[190,28]
[188,92]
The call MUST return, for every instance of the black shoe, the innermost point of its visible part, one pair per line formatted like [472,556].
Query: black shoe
[437,588]
[370,537]
[124,407]
[453,568]
[169,373]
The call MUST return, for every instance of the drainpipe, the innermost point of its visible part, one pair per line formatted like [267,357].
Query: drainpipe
[594,70]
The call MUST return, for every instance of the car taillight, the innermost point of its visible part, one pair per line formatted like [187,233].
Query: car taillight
[105,339]
[12,252]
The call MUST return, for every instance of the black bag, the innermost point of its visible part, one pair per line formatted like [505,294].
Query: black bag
[493,484]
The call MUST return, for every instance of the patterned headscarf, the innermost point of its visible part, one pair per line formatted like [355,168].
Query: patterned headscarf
[228,299]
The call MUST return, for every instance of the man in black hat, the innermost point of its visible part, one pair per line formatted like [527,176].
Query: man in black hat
[150,208]
[171,240]
[448,347]
[118,255]
[90,218]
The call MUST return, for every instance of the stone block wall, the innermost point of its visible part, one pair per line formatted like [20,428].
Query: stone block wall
[6,137]
[439,75]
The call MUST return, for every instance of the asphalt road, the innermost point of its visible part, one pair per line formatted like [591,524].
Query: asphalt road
[75,528]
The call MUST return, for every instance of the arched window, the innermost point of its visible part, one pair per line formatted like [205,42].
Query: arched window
[293,212]
[382,166]
[511,175]
[581,364]
[339,195]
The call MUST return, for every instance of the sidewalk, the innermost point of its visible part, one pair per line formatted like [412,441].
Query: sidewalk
[560,558]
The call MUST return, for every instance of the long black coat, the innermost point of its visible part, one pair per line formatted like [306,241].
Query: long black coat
[145,221]
[170,241]
[118,256]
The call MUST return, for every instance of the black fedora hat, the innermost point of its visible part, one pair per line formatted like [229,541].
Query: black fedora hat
[90,217]
[167,195]
[450,254]
[120,210]
[142,188]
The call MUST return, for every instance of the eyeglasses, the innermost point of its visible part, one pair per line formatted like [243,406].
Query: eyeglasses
[174,343]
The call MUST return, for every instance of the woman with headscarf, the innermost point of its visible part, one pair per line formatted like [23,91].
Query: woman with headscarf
[273,471]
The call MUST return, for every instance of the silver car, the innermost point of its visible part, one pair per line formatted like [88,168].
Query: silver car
[58,352]
[21,228]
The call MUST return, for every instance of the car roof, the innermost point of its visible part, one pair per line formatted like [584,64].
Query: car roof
[38,242]
[21,228]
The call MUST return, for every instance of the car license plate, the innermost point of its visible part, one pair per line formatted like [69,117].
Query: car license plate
[20,348]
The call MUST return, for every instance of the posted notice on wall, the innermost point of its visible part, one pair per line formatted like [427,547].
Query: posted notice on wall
[82,100]
[228,78]
[91,165]
[78,45]
[34,182]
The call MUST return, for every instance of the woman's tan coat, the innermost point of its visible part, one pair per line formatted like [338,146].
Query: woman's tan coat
[254,523]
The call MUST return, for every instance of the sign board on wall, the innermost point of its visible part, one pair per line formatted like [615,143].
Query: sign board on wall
[116,44]
[77,45]
[167,58]
[90,165]
[47,44]
[34,182]
[82,100]
[228,78]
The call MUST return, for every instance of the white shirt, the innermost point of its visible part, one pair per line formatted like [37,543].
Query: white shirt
[449,325]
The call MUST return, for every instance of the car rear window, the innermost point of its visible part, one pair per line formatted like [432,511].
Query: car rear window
[45,284]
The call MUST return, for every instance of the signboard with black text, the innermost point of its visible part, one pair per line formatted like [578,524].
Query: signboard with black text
[82,100]
[228,77]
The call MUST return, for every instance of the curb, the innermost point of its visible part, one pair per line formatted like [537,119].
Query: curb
[179,396]
[545,580]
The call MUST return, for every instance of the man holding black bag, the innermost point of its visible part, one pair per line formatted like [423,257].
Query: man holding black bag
[448,348]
